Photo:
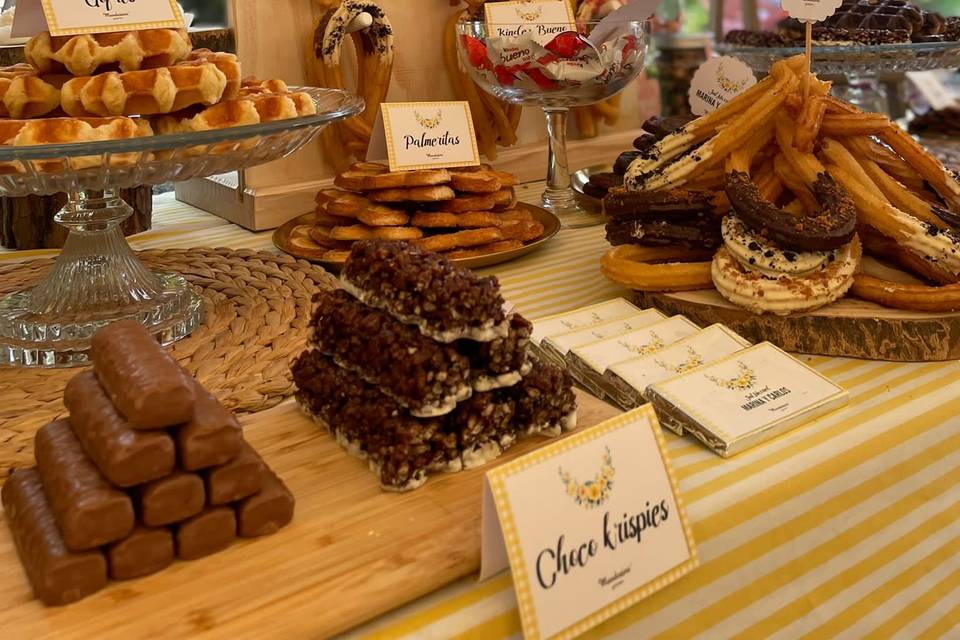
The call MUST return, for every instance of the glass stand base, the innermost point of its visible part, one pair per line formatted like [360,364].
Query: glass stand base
[563,204]
[31,339]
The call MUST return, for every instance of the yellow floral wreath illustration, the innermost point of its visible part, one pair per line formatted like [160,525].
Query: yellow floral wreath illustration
[655,344]
[529,15]
[594,492]
[429,123]
[726,83]
[742,382]
[693,361]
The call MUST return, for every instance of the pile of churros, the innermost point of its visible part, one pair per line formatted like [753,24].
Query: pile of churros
[801,185]
[461,213]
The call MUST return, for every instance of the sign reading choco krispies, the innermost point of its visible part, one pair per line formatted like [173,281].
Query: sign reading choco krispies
[148,466]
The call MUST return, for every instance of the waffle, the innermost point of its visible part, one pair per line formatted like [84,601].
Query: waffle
[83,55]
[22,133]
[226,62]
[148,92]
[236,113]
[255,87]
[23,94]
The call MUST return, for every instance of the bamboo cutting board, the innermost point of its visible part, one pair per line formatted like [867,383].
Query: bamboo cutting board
[352,552]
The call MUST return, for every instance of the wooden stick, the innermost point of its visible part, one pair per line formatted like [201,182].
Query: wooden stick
[808,53]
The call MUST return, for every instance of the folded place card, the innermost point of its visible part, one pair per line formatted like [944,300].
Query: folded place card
[424,135]
[543,19]
[555,348]
[581,318]
[69,17]
[745,398]
[629,379]
[589,525]
[588,362]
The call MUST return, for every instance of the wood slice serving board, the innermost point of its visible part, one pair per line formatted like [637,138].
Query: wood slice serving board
[351,553]
[848,327]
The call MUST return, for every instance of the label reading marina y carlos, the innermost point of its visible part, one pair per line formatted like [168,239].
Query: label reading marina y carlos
[543,19]
[424,135]
[810,10]
[589,525]
[70,17]
[718,81]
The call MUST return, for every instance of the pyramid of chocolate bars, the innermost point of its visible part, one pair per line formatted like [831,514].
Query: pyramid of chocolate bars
[148,466]
[416,366]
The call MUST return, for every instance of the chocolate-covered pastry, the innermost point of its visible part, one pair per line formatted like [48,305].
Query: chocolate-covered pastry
[643,142]
[444,301]
[58,576]
[661,127]
[171,499]
[143,552]
[205,533]
[145,383]
[601,183]
[425,376]
[750,38]
[211,437]
[267,510]
[89,510]
[623,162]
[236,479]
[942,122]
[125,456]
[695,232]
[674,204]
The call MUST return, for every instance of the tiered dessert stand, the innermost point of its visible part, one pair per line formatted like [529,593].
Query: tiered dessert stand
[97,279]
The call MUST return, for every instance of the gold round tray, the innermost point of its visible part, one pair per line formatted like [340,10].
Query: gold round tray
[550,222]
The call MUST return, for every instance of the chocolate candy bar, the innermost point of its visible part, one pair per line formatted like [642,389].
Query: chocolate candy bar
[446,302]
[211,437]
[425,376]
[205,533]
[143,552]
[171,499]
[125,456]
[239,478]
[89,511]
[144,382]
[57,575]
[267,510]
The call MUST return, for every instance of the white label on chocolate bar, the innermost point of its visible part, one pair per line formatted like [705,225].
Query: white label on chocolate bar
[810,10]
[541,20]
[703,347]
[717,82]
[424,135]
[566,341]
[69,17]
[581,318]
[652,339]
[750,395]
[589,525]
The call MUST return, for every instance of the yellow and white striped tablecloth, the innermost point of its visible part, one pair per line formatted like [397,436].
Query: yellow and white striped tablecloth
[846,527]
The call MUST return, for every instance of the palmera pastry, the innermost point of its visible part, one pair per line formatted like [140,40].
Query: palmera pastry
[375,49]
[85,54]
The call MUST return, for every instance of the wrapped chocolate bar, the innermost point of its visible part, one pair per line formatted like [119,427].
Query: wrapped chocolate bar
[629,379]
[744,399]
[588,363]
[595,314]
[555,348]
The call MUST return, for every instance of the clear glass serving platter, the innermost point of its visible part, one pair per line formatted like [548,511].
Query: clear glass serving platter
[97,279]
[862,60]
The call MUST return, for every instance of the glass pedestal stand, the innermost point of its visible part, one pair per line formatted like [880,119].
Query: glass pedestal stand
[96,280]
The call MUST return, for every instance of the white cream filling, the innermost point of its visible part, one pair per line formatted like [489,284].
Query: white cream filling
[755,253]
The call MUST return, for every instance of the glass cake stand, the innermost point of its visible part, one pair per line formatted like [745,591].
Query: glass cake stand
[97,279]
[860,64]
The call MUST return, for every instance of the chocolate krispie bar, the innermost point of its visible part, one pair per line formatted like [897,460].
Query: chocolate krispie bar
[426,377]
[427,290]
[402,449]
[502,362]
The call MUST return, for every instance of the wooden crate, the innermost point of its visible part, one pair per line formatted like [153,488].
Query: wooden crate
[275,40]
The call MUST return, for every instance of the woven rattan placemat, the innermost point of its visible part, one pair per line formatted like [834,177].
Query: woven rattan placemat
[257,312]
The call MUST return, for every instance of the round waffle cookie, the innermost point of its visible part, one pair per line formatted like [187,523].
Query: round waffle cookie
[83,55]
[147,92]
[23,94]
